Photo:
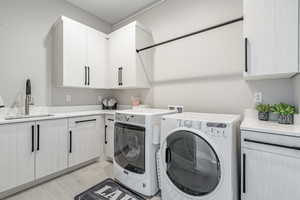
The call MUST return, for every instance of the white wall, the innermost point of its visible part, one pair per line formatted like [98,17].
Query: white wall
[26,50]
[203,72]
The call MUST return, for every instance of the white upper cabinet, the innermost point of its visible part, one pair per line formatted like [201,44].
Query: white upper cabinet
[271,31]
[97,59]
[80,55]
[129,69]
[87,58]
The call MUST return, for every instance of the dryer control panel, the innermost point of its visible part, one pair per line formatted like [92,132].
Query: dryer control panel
[209,128]
[216,129]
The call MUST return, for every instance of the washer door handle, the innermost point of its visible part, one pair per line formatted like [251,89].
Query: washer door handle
[168,155]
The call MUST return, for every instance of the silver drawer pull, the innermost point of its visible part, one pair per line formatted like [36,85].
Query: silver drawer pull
[83,121]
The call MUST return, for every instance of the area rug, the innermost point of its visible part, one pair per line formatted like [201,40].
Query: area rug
[108,190]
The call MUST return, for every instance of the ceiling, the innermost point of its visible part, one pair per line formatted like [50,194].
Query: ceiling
[113,11]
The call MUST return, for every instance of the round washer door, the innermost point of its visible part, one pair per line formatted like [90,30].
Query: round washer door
[192,163]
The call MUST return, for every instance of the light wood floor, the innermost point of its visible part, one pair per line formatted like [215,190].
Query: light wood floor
[68,186]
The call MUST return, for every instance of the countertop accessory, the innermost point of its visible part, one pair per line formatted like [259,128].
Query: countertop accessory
[179,109]
[135,101]
[286,113]
[109,104]
[112,102]
[263,111]
[28,96]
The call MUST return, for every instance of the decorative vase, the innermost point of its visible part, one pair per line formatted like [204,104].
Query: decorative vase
[264,116]
[286,119]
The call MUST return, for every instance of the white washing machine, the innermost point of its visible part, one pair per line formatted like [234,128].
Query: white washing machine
[137,139]
[198,157]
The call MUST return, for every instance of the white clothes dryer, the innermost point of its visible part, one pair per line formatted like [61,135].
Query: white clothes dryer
[198,157]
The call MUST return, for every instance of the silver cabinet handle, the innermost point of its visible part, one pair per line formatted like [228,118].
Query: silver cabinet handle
[32,139]
[38,137]
[83,121]
[85,75]
[244,173]
[246,54]
[105,134]
[120,76]
[88,82]
[70,150]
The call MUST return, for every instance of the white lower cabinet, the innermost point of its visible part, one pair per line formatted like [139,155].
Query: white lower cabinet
[52,148]
[109,137]
[270,176]
[85,143]
[270,167]
[34,150]
[17,155]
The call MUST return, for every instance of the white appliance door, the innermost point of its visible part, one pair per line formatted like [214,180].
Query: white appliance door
[129,147]
[192,163]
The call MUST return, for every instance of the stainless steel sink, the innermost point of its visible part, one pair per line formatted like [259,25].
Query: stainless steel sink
[27,116]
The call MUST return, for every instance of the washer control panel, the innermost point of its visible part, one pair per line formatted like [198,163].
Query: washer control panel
[128,118]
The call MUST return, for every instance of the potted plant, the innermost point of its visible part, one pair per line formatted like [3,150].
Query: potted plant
[263,111]
[286,113]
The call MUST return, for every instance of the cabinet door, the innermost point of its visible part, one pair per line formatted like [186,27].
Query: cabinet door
[271,27]
[17,155]
[269,175]
[109,137]
[115,58]
[97,59]
[52,147]
[74,53]
[286,38]
[122,54]
[86,139]
[128,43]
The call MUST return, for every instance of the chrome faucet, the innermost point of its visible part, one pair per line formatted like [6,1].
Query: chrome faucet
[28,97]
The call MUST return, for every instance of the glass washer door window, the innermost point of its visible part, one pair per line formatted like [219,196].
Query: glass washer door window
[130,147]
[192,164]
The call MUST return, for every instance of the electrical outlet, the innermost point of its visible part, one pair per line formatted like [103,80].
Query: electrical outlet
[68,98]
[258,97]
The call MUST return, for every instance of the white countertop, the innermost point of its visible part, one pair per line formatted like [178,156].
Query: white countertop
[59,115]
[251,123]
[146,111]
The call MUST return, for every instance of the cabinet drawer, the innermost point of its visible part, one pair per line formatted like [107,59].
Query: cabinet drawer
[84,121]
[280,144]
